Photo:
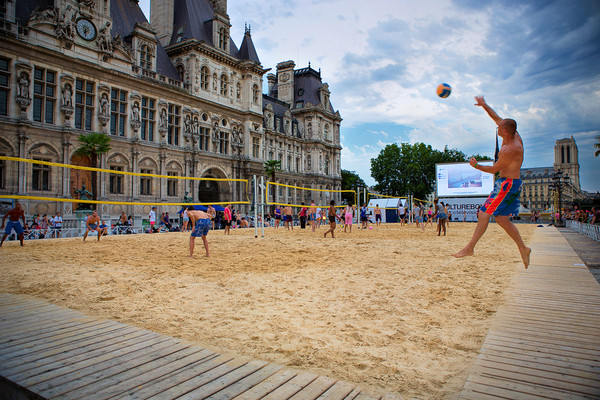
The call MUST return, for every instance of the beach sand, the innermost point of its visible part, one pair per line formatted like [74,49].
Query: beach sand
[386,308]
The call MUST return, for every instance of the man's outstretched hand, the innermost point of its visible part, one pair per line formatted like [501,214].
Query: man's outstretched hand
[480,101]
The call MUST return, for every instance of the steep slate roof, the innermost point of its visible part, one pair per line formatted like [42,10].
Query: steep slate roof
[247,50]
[126,14]
[310,82]
[193,20]
[279,107]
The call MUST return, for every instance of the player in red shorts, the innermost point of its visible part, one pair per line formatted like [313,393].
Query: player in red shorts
[504,199]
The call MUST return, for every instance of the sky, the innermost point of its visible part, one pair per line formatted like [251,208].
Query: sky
[537,62]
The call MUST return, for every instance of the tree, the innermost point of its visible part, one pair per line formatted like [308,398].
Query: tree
[271,167]
[410,169]
[350,181]
[597,146]
[93,145]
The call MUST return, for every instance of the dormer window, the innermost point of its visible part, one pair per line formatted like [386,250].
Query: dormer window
[146,57]
[223,35]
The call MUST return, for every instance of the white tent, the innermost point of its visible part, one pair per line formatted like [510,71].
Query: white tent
[389,209]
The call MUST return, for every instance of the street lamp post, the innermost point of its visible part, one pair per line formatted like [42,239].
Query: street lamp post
[558,181]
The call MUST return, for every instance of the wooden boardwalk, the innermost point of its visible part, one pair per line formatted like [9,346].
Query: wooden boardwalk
[545,342]
[51,352]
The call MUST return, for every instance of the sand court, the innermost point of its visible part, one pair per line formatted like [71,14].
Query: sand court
[387,309]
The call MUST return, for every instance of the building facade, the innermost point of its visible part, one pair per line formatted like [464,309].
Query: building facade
[538,193]
[176,96]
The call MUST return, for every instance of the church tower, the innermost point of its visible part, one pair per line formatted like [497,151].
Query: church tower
[566,159]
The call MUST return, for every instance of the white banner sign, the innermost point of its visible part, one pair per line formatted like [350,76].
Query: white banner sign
[464,209]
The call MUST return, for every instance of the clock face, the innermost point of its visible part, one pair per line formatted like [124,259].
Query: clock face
[86,29]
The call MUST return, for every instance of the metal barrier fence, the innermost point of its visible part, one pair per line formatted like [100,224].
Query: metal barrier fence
[590,230]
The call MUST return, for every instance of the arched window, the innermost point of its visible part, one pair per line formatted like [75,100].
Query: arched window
[181,72]
[255,94]
[204,76]
[224,85]
[146,57]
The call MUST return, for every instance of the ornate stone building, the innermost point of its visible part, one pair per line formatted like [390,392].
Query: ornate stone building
[176,96]
[537,193]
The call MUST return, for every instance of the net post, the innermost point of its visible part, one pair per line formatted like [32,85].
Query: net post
[262,203]
[254,205]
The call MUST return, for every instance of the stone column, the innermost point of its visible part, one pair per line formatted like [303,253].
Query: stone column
[66,172]
[163,171]
[22,181]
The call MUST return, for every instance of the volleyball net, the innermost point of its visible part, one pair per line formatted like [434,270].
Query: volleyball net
[117,187]
[297,194]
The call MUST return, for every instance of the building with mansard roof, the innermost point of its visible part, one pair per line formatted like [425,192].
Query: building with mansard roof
[537,193]
[176,95]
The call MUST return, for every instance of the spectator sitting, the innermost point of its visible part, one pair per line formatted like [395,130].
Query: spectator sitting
[103,227]
[168,223]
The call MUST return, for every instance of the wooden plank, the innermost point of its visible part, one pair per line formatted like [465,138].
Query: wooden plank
[156,373]
[339,391]
[267,386]
[315,389]
[97,373]
[80,368]
[107,385]
[79,355]
[567,368]
[179,377]
[353,394]
[292,387]
[199,380]
[542,378]
[518,390]
[246,383]
[44,335]
[28,326]
[42,355]
[225,381]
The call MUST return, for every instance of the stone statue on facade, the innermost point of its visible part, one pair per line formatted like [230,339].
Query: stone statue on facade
[65,28]
[186,198]
[83,194]
[105,42]
[48,15]
[136,122]
[67,94]
[23,98]
[104,104]
[23,86]
[88,3]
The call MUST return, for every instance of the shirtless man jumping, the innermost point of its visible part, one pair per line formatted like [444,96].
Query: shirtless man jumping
[91,224]
[13,223]
[504,199]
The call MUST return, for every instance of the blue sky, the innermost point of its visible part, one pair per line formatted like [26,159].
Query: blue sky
[535,61]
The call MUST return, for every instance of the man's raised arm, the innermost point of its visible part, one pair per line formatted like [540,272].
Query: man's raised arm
[480,101]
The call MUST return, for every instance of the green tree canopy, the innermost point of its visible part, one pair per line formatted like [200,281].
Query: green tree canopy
[410,168]
[93,145]
[350,181]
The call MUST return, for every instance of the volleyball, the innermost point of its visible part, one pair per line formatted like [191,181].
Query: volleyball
[444,90]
